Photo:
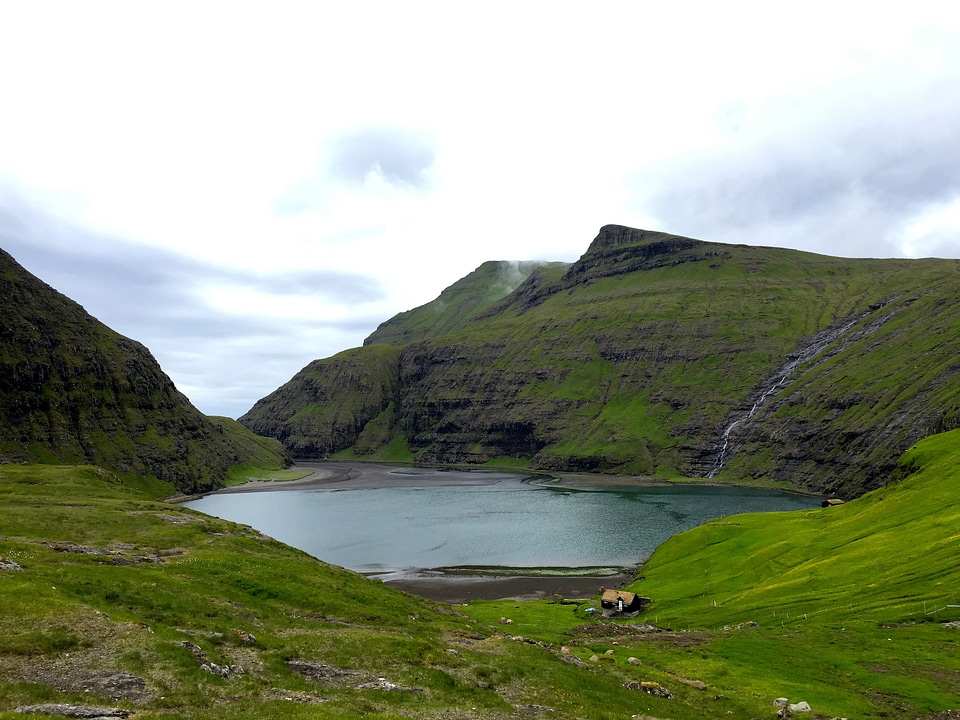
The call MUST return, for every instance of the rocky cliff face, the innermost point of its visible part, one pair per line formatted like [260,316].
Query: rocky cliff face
[657,354]
[74,391]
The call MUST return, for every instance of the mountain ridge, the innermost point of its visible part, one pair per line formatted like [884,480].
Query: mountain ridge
[637,358]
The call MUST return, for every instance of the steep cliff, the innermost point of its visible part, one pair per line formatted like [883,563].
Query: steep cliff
[74,391]
[658,354]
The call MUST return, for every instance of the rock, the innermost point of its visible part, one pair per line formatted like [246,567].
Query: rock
[74,711]
[223,671]
[7,564]
[649,687]
[564,650]
[781,702]
[316,670]
[799,707]
[384,684]
[119,686]
[246,638]
[609,652]
[634,661]
[594,658]
[698,684]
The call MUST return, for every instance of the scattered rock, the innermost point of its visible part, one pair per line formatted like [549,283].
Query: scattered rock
[634,661]
[505,621]
[649,687]
[384,684]
[573,660]
[799,707]
[781,702]
[223,671]
[698,684]
[534,709]
[594,658]
[246,638]
[564,650]
[750,624]
[7,564]
[119,686]
[949,625]
[318,671]
[195,650]
[453,651]
[609,652]
[74,711]
[297,696]
[71,547]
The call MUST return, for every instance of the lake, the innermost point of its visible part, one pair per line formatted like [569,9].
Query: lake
[485,520]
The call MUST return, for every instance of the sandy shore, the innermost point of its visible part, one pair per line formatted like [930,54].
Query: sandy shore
[343,475]
[460,589]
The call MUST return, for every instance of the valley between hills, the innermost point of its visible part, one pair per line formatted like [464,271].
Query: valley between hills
[653,356]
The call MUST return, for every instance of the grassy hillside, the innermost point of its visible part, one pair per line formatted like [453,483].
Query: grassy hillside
[110,598]
[332,404]
[660,355]
[74,391]
[851,604]
[467,299]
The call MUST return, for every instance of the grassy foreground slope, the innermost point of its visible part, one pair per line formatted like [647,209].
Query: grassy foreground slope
[847,608]
[109,598]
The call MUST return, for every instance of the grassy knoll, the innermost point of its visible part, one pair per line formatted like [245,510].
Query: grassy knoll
[850,602]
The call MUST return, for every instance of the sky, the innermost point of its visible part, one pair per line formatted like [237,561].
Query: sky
[247,187]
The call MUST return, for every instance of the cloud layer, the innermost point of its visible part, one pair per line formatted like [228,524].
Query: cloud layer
[245,189]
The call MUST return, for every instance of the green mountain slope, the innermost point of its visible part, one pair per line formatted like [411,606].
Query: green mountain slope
[470,297]
[73,390]
[657,354]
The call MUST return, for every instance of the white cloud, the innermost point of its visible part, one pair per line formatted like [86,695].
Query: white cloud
[406,143]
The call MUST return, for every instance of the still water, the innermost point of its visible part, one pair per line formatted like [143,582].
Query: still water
[505,522]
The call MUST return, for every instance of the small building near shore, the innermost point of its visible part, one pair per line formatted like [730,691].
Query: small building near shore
[620,603]
[831,502]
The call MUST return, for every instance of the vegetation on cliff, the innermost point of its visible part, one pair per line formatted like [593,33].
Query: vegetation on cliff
[655,355]
[74,391]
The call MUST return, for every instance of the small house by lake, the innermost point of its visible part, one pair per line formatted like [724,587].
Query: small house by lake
[620,603]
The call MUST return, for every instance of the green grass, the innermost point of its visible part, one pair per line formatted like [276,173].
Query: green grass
[67,614]
[849,604]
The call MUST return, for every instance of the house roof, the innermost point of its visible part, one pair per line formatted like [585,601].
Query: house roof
[612,596]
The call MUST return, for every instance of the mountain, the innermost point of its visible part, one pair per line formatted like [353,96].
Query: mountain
[656,354]
[471,297]
[74,391]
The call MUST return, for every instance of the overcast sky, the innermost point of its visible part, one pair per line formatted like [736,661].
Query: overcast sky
[245,187]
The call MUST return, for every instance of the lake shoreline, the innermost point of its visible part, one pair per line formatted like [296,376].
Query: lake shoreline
[356,475]
[464,584]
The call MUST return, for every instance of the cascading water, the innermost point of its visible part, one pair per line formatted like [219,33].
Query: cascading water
[820,342]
